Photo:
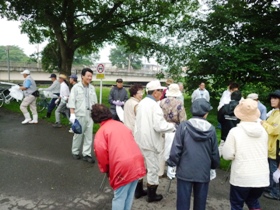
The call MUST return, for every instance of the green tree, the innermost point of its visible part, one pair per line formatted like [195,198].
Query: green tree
[16,54]
[87,25]
[233,40]
[122,58]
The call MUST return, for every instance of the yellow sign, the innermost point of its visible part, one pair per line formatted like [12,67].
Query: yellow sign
[100,76]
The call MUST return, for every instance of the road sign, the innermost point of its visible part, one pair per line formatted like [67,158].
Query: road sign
[100,75]
[100,69]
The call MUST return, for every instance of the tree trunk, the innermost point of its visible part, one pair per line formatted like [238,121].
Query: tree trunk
[67,57]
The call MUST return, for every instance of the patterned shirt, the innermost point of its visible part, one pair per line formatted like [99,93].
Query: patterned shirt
[173,110]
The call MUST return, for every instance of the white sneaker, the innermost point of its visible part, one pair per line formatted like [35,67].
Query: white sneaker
[71,131]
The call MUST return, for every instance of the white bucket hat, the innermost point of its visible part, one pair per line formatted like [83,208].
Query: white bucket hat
[173,90]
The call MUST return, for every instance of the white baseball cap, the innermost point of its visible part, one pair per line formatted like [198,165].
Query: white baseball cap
[26,71]
[154,85]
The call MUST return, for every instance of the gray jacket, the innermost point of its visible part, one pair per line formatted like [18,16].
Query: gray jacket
[32,88]
[194,150]
[117,94]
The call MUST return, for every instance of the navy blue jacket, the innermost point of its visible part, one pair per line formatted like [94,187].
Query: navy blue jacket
[194,150]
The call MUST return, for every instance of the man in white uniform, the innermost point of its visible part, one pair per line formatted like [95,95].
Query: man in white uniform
[201,92]
[81,99]
[149,125]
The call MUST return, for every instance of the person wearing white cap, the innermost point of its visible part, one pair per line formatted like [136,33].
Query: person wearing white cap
[29,88]
[261,107]
[149,125]
[247,145]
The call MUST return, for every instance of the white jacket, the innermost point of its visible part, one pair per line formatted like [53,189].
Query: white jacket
[78,99]
[246,145]
[149,125]
[200,94]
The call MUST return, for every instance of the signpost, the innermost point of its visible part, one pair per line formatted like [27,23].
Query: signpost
[100,75]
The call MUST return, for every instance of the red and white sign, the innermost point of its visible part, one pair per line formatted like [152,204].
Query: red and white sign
[100,68]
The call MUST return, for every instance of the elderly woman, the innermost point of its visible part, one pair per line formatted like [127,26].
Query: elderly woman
[246,146]
[172,107]
[136,94]
[272,127]
[118,155]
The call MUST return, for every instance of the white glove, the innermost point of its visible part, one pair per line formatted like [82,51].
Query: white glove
[212,174]
[171,172]
[56,101]
[65,98]
[40,89]
[72,118]
[276,175]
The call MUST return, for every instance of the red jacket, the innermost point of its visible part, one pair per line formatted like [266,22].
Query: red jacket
[118,154]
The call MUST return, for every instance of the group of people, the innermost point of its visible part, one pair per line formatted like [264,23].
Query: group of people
[129,147]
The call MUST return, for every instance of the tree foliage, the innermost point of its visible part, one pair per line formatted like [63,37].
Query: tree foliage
[87,25]
[122,58]
[232,40]
[16,54]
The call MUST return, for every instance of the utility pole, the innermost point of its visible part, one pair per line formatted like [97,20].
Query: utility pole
[129,62]
[8,61]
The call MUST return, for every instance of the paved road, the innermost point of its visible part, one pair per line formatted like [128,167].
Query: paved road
[37,172]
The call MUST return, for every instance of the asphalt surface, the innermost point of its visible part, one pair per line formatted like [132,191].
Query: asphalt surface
[37,171]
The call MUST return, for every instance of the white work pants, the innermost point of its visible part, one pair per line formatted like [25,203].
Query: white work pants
[31,102]
[152,165]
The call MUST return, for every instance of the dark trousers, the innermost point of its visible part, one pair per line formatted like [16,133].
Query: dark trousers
[52,104]
[248,195]
[273,187]
[184,192]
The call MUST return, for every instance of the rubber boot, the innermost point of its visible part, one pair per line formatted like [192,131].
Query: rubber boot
[139,192]
[152,193]
[35,119]
[27,118]
[48,115]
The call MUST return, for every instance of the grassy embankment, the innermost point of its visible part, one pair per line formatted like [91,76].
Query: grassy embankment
[212,117]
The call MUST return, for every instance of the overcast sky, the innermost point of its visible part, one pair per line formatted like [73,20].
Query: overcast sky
[10,35]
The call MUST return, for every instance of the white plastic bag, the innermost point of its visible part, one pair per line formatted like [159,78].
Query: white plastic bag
[169,137]
[16,93]
[120,112]
[49,94]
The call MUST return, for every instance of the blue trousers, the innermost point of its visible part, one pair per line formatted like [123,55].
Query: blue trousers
[123,196]
[273,187]
[248,195]
[51,105]
[184,192]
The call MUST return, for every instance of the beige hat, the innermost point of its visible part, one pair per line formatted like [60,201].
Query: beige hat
[63,76]
[169,81]
[247,110]
[154,85]
[253,96]
[173,90]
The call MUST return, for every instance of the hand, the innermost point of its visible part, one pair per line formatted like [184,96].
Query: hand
[276,175]
[119,103]
[40,89]
[72,118]
[56,101]
[65,98]
[171,172]
[114,102]
[212,174]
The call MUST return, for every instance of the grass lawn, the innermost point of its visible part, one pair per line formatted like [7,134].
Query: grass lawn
[212,117]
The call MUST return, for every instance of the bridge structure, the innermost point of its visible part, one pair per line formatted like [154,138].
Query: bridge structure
[111,74]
